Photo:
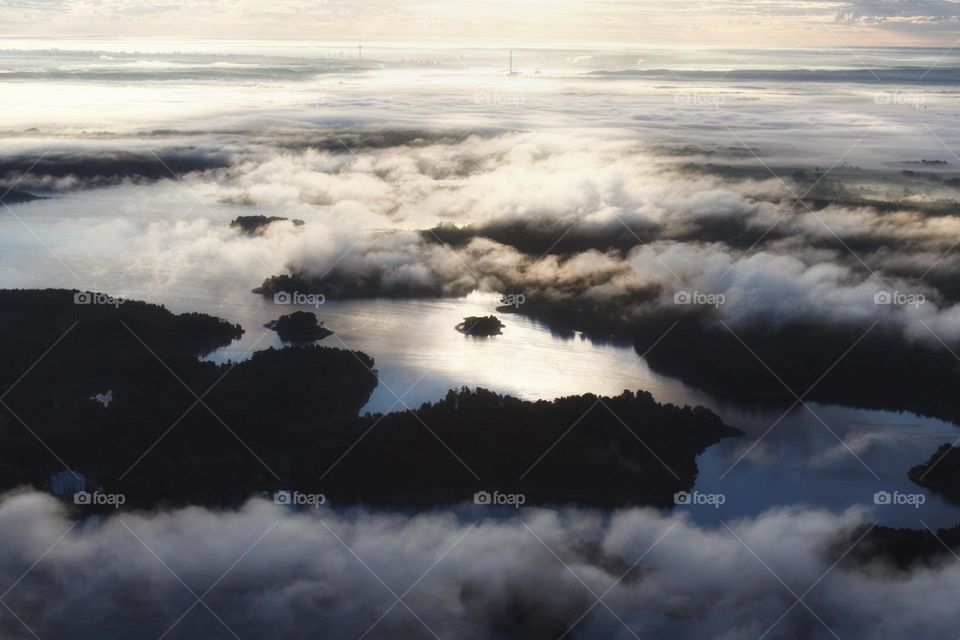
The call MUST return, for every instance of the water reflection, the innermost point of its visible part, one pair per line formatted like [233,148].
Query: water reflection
[820,455]
[419,356]
[803,461]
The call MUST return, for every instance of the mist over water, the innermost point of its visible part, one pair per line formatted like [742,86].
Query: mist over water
[368,149]
[269,572]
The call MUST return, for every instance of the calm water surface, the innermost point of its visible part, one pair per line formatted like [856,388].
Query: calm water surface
[826,455]
[113,240]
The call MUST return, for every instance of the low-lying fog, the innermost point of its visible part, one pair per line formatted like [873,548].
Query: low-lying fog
[799,188]
[267,572]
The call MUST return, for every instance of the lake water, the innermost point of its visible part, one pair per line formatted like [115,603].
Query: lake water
[822,456]
[419,356]
[169,242]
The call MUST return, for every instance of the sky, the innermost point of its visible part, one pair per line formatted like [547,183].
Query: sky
[534,22]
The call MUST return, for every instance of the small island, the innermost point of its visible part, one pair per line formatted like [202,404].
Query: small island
[261,418]
[941,473]
[287,417]
[480,326]
[899,549]
[253,225]
[299,326]
[13,196]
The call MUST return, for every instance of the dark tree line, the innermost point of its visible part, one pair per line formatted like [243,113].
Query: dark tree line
[290,418]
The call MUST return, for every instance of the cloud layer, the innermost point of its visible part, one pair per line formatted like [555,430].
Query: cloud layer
[563,217]
[268,572]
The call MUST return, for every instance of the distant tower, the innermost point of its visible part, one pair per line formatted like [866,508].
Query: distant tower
[359,52]
[511,72]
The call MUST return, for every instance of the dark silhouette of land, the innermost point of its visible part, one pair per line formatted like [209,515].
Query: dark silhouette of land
[941,473]
[253,225]
[290,418]
[299,326]
[256,413]
[13,196]
[103,169]
[842,365]
[480,326]
[357,286]
[902,549]
[624,450]
[882,370]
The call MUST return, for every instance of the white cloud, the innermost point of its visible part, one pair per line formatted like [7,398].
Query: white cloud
[496,576]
